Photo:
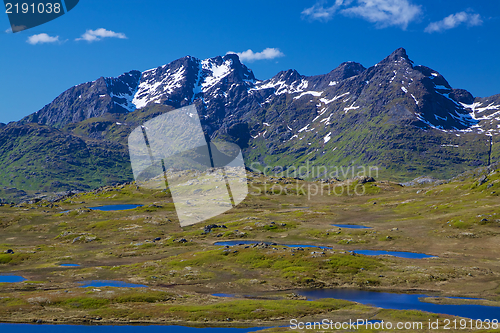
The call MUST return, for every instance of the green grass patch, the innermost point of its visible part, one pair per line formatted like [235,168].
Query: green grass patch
[255,309]
[84,303]
[143,297]
[345,263]
[459,224]
[5,258]
[11,301]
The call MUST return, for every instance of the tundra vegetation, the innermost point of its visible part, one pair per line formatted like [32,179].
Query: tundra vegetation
[457,221]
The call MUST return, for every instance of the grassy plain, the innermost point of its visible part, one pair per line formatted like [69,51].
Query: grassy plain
[457,221]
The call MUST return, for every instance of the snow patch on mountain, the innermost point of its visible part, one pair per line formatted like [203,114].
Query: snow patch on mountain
[122,89]
[321,112]
[478,120]
[328,101]
[327,137]
[216,72]
[422,119]
[281,87]
[351,107]
[416,102]
[475,109]
[124,100]
[197,89]
[314,93]
[447,95]
[304,128]
[327,120]
[155,85]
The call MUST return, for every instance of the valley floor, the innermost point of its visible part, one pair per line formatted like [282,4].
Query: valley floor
[457,222]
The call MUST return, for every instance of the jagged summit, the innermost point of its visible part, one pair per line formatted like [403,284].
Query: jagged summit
[176,84]
[347,69]
[398,55]
[402,118]
[224,86]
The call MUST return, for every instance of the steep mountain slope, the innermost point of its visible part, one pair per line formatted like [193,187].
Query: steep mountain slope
[41,158]
[176,84]
[89,100]
[403,119]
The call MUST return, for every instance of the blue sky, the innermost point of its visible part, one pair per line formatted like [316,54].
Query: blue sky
[108,37]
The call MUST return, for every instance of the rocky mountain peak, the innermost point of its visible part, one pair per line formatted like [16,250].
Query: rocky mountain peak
[398,56]
[89,100]
[239,72]
[288,77]
[436,78]
[346,70]
[392,114]
[224,86]
[227,68]
[121,89]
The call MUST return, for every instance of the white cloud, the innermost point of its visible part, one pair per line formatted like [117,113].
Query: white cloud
[42,39]
[8,31]
[453,21]
[320,13]
[268,53]
[98,34]
[383,13]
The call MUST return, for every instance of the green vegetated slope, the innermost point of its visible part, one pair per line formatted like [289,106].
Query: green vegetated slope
[86,155]
[398,152]
[41,159]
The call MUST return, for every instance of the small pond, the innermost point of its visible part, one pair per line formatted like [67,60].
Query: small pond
[11,279]
[409,255]
[233,243]
[110,283]
[110,208]
[399,254]
[404,302]
[224,295]
[69,265]
[351,226]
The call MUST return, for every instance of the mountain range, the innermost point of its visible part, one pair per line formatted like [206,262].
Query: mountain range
[402,118]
